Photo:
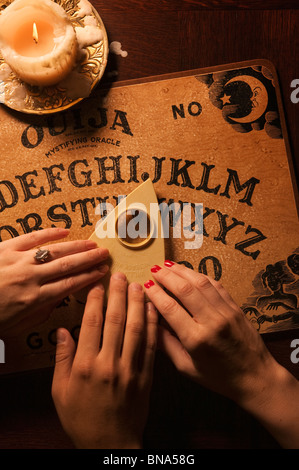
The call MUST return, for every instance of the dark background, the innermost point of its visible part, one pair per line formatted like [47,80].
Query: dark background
[162,37]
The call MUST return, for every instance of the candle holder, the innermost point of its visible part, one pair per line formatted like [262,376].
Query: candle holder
[90,67]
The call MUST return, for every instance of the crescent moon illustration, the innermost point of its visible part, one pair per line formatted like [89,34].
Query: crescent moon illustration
[259,100]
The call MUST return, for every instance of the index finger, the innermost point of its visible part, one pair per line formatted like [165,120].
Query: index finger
[39,237]
[211,290]
[134,331]
[115,317]
[175,315]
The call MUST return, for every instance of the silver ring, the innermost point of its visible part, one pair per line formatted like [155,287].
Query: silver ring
[42,256]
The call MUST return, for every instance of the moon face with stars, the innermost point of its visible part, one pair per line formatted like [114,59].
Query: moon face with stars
[246,98]
[256,104]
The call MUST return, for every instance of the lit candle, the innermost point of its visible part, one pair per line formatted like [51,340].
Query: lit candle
[38,41]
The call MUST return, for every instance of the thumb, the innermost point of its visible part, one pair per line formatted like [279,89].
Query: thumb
[65,351]
[176,352]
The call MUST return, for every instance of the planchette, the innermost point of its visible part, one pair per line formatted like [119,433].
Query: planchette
[133,234]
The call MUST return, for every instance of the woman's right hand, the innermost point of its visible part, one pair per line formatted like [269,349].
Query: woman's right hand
[214,344]
[30,290]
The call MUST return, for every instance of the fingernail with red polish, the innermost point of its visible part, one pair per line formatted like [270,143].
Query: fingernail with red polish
[168,263]
[149,284]
[155,268]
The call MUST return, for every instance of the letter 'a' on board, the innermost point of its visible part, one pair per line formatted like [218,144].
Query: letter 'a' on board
[132,252]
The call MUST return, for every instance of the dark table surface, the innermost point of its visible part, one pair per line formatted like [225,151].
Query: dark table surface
[161,37]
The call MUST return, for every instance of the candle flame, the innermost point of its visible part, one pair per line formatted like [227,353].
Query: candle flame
[35,33]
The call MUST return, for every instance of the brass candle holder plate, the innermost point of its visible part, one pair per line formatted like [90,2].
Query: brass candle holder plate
[25,98]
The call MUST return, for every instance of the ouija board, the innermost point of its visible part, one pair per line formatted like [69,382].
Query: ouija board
[216,137]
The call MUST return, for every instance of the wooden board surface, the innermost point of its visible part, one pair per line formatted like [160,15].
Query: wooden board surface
[215,136]
[190,34]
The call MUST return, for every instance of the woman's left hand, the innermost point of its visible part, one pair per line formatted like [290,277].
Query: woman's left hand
[29,290]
